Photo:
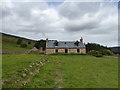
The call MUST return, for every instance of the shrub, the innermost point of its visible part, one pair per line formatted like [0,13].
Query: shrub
[29,42]
[106,52]
[23,45]
[19,41]
[95,53]
[40,43]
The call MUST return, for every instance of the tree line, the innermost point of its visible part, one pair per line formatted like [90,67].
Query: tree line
[91,48]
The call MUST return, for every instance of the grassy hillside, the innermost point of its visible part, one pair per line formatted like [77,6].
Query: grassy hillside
[59,71]
[9,43]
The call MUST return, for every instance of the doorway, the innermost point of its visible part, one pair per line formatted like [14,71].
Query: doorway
[78,50]
[56,50]
[66,50]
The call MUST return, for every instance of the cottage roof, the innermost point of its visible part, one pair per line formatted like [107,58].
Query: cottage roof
[64,44]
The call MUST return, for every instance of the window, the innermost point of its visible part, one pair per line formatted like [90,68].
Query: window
[76,43]
[56,43]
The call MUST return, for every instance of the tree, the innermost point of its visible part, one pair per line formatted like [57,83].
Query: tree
[95,53]
[19,41]
[40,43]
[29,42]
[23,45]
[94,46]
[99,48]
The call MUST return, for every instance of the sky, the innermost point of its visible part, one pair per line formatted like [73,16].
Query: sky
[64,20]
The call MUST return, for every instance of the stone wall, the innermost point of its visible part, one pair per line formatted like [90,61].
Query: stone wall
[72,50]
[51,51]
[61,50]
[82,50]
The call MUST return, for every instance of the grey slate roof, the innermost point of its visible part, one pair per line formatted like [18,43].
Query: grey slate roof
[64,44]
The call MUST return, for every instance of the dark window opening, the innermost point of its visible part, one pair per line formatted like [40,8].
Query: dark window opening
[78,50]
[66,51]
[77,43]
[56,43]
[56,50]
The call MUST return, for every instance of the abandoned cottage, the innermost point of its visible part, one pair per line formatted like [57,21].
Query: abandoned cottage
[54,46]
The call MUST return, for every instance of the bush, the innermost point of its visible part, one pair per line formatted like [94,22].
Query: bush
[19,41]
[106,52]
[23,45]
[29,42]
[95,53]
[40,43]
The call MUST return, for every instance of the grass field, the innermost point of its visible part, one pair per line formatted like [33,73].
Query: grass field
[59,71]
[9,44]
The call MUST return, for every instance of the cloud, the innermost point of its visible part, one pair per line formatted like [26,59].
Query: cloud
[82,17]
[95,21]
[73,10]
[84,23]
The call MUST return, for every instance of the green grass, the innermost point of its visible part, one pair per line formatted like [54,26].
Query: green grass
[62,71]
[9,44]
[13,63]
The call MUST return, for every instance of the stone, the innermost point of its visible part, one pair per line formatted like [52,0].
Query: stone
[15,81]
[37,64]
[30,66]
[25,70]
[37,71]
[32,74]
[18,80]
[24,75]
[25,83]
[33,64]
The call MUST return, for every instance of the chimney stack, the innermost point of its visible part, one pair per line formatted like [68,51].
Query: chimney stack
[46,39]
[46,42]
[81,40]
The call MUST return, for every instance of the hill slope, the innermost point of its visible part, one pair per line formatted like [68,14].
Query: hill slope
[116,50]
[9,43]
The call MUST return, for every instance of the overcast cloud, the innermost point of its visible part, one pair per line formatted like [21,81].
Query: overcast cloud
[96,22]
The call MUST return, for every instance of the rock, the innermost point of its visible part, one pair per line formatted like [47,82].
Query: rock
[15,81]
[32,74]
[18,80]
[40,62]
[37,64]
[37,71]
[24,75]
[30,66]
[25,83]
[33,64]
[25,70]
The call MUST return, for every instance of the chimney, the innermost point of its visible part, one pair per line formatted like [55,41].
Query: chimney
[46,42]
[46,39]
[81,40]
